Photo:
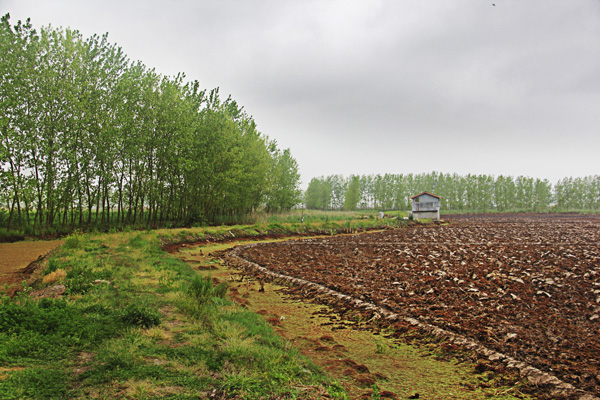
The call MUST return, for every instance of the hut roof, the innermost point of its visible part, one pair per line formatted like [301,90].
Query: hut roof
[422,193]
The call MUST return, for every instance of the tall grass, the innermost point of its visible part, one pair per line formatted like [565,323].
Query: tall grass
[134,317]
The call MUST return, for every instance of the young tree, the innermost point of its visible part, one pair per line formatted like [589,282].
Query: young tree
[284,178]
[338,190]
[318,194]
[352,194]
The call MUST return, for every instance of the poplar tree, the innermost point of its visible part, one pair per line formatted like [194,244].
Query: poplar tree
[352,194]
[88,138]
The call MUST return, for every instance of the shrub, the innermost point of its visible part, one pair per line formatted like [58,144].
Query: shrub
[10,236]
[203,291]
[276,228]
[74,241]
[80,277]
[135,315]
[53,265]
[220,290]
[201,299]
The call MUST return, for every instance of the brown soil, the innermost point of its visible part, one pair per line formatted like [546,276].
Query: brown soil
[527,286]
[16,257]
[349,350]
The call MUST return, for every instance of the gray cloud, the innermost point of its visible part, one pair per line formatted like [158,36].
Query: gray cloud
[381,86]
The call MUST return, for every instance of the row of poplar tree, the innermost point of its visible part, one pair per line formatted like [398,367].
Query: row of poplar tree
[88,137]
[474,193]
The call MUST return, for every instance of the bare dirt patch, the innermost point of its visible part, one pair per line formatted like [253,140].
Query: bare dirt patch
[15,257]
[524,286]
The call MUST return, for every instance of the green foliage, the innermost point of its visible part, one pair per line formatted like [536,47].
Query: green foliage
[81,276]
[576,193]
[202,289]
[10,235]
[318,194]
[470,193]
[3,217]
[376,395]
[352,194]
[277,228]
[49,329]
[35,383]
[202,298]
[74,241]
[53,265]
[89,140]
[136,315]
[284,179]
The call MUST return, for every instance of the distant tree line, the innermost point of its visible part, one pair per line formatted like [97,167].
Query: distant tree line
[472,193]
[89,138]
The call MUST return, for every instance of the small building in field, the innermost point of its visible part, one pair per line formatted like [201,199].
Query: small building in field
[426,205]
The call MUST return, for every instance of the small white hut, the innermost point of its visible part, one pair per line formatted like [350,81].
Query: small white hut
[426,205]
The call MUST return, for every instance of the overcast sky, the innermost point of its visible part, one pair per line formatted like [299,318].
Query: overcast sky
[361,87]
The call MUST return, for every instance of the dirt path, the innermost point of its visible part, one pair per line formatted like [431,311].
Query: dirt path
[16,256]
[360,360]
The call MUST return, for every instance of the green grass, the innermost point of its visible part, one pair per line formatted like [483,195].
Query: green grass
[138,323]
[289,224]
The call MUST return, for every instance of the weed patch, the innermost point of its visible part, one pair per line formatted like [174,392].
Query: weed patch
[37,383]
[136,315]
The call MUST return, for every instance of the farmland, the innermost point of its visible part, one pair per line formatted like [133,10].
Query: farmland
[17,256]
[526,287]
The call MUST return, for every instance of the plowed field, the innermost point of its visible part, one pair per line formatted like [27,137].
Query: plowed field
[525,286]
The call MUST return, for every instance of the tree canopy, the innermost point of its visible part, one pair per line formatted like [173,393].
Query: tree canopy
[88,137]
[470,193]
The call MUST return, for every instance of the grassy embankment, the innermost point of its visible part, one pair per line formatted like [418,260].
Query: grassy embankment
[261,219]
[138,323]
